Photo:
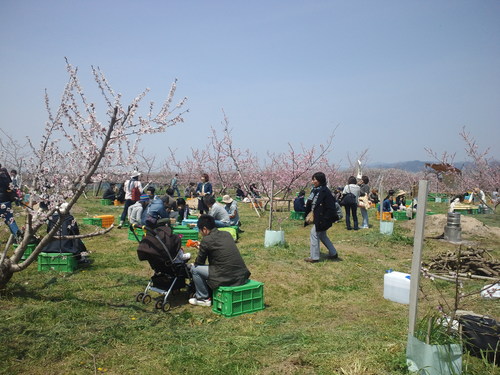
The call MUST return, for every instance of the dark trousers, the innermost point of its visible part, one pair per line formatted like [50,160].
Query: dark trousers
[128,203]
[348,210]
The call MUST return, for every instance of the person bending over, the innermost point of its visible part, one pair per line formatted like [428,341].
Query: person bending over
[225,264]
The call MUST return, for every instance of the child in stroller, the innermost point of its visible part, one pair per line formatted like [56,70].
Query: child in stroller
[162,250]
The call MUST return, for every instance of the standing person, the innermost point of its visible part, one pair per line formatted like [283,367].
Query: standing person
[15,179]
[322,205]
[6,204]
[225,264]
[352,207]
[204,188]
[364,192]
[133,190]
[174,185]
[231,208]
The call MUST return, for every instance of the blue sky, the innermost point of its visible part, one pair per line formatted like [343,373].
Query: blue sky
[394,76]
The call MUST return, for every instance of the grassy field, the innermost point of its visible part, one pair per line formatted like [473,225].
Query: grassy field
[323,318]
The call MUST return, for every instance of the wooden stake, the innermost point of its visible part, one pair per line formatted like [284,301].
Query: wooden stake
[418,242]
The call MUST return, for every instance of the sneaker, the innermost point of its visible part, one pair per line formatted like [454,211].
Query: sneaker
[200,302]
[310,260]
[186,256]
[333,257]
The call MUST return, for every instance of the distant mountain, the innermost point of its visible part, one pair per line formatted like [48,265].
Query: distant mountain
[410,166]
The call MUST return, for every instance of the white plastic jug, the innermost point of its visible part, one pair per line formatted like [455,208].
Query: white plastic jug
[397,287]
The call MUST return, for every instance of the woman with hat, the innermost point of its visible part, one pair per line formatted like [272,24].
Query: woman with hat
[232,209]
[400,200]
[132,187]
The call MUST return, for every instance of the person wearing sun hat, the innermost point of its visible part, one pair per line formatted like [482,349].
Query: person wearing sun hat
[232,209]
[137,212]
[400,200]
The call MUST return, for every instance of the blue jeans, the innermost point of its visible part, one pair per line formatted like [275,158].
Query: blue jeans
[200,277]
[364,215]
[320,236]
[6,213]
[221,224]
[128,203]
[176,190]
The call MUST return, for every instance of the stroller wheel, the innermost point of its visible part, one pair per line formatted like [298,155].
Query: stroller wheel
[146,299]
[159,304]
[138,297]
[165,307]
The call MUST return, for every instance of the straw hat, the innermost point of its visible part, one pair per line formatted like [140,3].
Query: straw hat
[227,199]
[400,192]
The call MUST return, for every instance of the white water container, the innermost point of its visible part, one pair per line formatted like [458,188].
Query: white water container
[386,227]
[397,286]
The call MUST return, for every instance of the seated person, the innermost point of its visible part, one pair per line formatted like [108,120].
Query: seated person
[400,201]
[374,196]
[110,192]
[299,205]
[151,192]
[120,196]
[217,211]
[170,204]
[231,208]
[157,212]
[137,212]
[190,191]
[254,191]
[225,264]
[69,227]
[387,204]
[239,192]
[182,209]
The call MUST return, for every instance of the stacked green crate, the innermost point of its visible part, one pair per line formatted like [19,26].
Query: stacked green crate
[185,234]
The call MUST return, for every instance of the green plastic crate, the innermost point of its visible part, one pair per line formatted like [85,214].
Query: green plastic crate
[92,221]
[237,300]
[106,202]
[187,234]
[63,262]
[28,251]
[192,217]
[294,215]
[400,215]
[138,231]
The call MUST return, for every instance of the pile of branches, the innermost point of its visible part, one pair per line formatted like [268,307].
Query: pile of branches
[467,263]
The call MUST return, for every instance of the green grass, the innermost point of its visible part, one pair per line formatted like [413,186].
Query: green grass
[324,318]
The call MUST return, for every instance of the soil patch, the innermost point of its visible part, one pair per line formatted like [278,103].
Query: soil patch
[434,225]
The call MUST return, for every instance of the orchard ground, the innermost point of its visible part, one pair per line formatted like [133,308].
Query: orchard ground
[323,318]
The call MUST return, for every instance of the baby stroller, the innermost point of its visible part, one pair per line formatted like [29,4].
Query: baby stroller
[162,250]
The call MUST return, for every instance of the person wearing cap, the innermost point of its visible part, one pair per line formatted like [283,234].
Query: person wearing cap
[231,208]
[128,186]
[137,212]
[217,211]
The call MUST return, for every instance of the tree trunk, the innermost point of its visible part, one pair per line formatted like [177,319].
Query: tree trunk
[6,273]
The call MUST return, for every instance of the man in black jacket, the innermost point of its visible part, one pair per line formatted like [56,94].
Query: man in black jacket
[225,264]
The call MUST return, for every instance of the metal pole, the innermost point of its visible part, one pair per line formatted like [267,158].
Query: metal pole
[271,208]
[418,242]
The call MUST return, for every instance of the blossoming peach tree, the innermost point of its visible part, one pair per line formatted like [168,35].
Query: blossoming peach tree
[77,149]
